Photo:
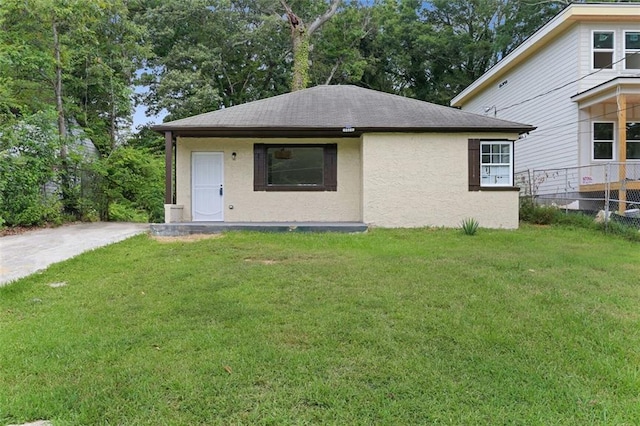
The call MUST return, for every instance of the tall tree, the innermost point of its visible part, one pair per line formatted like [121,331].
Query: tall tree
[52,49]
[301,41]
[211,54]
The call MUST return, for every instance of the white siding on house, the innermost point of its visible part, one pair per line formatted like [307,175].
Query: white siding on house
[585,31]
[531,93]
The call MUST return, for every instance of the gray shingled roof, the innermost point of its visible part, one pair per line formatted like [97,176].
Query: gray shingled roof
[331,108]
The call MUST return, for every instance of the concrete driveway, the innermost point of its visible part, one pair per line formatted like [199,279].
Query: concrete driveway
[24,254]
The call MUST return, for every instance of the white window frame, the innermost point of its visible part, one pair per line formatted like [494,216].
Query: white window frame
[629,51]
[633,141]
[594,140]
[487,179]
[612,50]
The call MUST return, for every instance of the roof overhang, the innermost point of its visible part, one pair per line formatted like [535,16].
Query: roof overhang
[572,14]
[271,132]
[608,91]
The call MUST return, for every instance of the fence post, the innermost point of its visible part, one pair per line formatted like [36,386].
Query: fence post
[566,191]
[607,194]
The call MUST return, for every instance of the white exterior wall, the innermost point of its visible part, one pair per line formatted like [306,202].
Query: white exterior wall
[585,31]
[554,143]
[343,205]
[415,180]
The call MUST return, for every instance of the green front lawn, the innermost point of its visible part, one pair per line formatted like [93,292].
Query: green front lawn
[535,326]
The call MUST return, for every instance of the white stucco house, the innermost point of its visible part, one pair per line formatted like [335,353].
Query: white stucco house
[577,79]
[340,155]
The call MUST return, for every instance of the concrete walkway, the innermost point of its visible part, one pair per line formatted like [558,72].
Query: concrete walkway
[24,254]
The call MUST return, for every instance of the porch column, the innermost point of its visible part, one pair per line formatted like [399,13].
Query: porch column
[168,168]
[622,151]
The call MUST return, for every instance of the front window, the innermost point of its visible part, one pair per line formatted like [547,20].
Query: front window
[603,49]
[496,163]
[633,141]
[603,141]
[295,167]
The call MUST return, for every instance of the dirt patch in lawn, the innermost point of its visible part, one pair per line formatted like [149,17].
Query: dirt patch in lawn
[262,261]
[187,238]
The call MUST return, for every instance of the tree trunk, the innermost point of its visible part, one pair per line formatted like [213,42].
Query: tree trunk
[65,181]
[57,87]
[300,42]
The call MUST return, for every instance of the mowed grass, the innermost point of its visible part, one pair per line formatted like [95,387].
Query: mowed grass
[428,326]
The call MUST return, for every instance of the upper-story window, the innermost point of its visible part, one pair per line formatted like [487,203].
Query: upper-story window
[632,50]
[603,42]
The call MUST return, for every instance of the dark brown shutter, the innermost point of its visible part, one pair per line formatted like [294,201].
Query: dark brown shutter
[331,167]
[474,164]
[259,167]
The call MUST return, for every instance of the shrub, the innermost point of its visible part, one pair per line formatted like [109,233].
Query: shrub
[133,180]
[126,213]
[538,215]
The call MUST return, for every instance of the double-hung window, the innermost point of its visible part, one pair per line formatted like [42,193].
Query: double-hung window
[496,163]
[295,167]
[603,140]
[490,164]
[603,43]
[633,141]
[632,50]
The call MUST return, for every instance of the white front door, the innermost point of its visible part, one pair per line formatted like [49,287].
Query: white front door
[207,186]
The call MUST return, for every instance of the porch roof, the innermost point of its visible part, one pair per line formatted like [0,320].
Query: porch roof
[607,92]
[339,111]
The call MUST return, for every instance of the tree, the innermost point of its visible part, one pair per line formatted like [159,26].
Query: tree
[212,54]
[301,39]
[77,57]
[337,56]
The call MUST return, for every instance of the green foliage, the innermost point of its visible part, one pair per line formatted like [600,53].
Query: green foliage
[538,215]
[469,226]
[133,181]
[28,164]
[210,54]
[549,215]
[127,213]
[622,229]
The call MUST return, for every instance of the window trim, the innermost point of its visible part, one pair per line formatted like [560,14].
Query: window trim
[594,50]
[626,50]
[474,157]
[628,141]
[593,141]
[330,172]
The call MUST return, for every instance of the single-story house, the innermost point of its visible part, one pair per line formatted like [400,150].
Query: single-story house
[341,154]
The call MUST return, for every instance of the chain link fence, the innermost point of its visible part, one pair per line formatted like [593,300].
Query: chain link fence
[608,191]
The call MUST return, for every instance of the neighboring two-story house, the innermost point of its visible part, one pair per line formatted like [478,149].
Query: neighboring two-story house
[577,79]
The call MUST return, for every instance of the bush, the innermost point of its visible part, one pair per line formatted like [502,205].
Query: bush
[127,213]
[28,164]
[538,215]
[132,185]
[548,215]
